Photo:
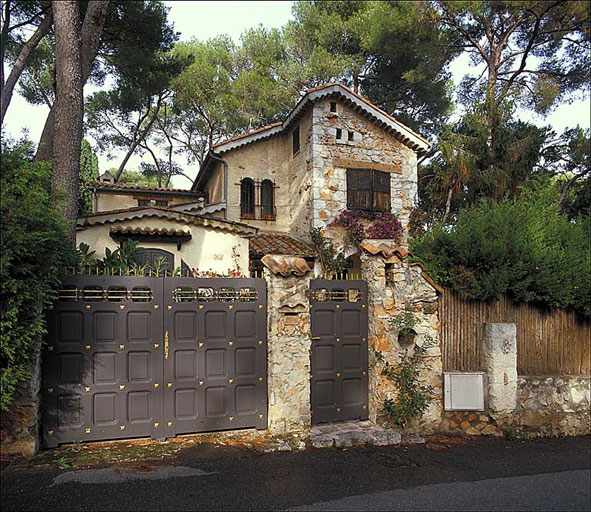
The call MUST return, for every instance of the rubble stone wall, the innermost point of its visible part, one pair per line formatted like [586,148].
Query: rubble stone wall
[546,406]
[390,287]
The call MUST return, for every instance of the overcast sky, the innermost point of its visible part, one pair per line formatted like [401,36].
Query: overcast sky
[204,20]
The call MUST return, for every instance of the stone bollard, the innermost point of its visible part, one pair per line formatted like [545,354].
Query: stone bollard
[499,352]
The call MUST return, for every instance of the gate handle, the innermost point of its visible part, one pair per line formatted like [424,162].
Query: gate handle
[315,338]
[165,344]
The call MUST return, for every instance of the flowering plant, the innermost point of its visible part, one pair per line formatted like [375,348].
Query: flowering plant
[360,224]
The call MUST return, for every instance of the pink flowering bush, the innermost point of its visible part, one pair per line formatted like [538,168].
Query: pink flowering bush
[360,224]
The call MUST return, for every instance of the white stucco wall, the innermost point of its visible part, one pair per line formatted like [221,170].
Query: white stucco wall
[207,249]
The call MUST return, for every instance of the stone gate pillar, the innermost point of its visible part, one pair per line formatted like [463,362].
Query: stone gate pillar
[393,283]
[288,327]
[499,352]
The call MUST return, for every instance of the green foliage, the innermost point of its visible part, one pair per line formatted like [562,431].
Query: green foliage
[34,247]
[516,435]
[332,263]
[412,397]
[404,322]
[89,173]
[131,177]
[519,246]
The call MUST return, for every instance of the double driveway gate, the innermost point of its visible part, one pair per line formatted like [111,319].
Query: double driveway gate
[339,365]
[157,357]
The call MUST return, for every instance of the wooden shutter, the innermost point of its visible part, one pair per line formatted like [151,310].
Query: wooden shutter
[267,200]
[359,189]
[381,191]
[247,199]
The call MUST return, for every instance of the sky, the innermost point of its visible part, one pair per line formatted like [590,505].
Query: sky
[207,19]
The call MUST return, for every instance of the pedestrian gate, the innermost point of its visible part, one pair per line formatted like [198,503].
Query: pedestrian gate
[339,381]
[152,356]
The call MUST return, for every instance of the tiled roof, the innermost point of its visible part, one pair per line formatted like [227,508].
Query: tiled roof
[279,243]
[149,231]
[286,265]
[139,212]
[139,188]
[252,132]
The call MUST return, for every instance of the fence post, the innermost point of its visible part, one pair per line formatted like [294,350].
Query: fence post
[499,350]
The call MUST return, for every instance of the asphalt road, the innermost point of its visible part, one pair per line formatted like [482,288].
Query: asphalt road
[484,474]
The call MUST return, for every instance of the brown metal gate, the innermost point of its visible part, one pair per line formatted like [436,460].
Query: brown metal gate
[147,356]
[339,381]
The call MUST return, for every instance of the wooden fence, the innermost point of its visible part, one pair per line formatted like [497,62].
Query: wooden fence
[549,341]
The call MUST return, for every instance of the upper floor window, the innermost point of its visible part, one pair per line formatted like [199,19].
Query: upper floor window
[143,202]
[267,200]
[333,106]
[295,136]
[339,134]
[161,202]
[368,190]
[247,199]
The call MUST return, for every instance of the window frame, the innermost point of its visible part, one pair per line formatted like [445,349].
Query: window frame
[155,251]
[165,201]
[250,214]
[146,202]
[371,190]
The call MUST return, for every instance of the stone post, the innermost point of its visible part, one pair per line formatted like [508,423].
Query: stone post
[288,326]
[499,352]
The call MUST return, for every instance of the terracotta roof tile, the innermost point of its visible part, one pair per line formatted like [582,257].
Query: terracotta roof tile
[149,231]
[286,265]
[279,243]
[252,132]
[130,187]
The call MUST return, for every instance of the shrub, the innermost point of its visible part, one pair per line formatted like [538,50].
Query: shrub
[33,248]
[521,247]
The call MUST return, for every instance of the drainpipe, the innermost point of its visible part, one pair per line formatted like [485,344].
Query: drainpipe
[225,164]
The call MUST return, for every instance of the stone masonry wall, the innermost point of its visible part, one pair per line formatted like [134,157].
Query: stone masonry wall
[546,406]
[370,144]
[289,345]
[390,287]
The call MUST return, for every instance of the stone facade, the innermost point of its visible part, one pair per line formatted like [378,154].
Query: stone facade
[370,145]
[392,284]
[289,347]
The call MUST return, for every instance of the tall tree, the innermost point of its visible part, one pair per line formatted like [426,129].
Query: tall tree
[134,32]
[69,105]
[89,173]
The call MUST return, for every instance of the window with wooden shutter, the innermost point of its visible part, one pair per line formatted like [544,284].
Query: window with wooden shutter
[368,190]
[267,200]
[247,199]
[359,189]
[381,191]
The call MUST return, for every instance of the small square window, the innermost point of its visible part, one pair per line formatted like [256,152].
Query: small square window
[350,136]
[333,106]
[339,135]
[161,202]
[143,202]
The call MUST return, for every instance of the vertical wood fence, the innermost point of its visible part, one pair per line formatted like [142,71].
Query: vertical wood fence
[550,341]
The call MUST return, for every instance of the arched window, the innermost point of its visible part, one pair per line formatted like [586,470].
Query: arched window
[267,200]
[156,259]
[247,199]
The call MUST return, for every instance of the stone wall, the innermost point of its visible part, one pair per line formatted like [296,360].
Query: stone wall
[370,144]
[289,346]
[546,406]
[392,283]
[19,428]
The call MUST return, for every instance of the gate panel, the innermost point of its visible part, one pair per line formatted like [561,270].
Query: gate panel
[339,359]
[216,368]
[102,364]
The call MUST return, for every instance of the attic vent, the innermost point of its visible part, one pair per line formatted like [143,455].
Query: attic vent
[333,106]
[464,391]
[339,134]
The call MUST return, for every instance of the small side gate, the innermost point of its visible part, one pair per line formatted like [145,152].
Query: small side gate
[339,359]
[152,356]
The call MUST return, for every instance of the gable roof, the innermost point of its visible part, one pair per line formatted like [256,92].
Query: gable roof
[358,103]
[140,212]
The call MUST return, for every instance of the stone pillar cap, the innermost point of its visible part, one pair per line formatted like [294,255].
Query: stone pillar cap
[285,265]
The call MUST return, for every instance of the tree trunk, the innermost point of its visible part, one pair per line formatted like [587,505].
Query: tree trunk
[21,62]
[90,38]
[69,109]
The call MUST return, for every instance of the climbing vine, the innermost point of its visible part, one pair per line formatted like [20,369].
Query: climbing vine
[332,262]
